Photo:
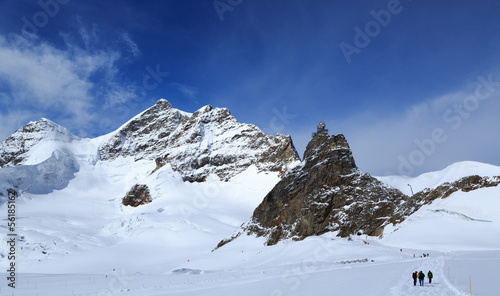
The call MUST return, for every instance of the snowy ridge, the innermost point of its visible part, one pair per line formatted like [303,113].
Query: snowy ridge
[51,174]
[209,141]
[33,143]
[73,229]
[431,180]
[460,215]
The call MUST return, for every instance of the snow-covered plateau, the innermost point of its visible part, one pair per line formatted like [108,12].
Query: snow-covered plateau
[74,236]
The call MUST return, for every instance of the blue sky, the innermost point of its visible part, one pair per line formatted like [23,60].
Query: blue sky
[413,85]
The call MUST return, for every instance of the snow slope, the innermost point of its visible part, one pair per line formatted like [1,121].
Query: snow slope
[80,240]
[431,180]
[76,238]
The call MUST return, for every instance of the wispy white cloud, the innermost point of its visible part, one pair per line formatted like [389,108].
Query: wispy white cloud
[68,80]
[187,91]
[13,120]
[428,136]
[130,44]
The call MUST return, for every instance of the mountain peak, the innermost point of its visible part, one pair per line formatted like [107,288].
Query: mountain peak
[164,104]
[13,151]
[325,193]
[333,149]
[209,141]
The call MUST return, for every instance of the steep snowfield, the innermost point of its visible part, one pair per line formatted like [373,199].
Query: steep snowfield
[76,238]
[463,221]
[34,143]
[80,240]
[431,180]
[60,230]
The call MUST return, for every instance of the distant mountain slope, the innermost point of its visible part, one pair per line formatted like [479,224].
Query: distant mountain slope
[17,148]
[52,174]
[431,180]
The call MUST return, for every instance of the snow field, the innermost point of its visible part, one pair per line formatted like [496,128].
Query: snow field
[71,239]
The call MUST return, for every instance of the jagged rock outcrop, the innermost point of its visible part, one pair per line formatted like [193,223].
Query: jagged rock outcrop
[138,195]
[325,193]
[209,141]
[14,149]
[444,190]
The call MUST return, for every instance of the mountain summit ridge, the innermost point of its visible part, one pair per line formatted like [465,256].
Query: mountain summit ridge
[196,145]
[14,150]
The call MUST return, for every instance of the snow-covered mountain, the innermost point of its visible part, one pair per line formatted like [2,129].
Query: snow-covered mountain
[209,141]
[74,216]
[328,193]
[33,143]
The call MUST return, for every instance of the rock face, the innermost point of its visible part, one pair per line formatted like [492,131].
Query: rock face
[209,141]
[325,193]
[145,134]
[444,190]
[137,195]
[14,149]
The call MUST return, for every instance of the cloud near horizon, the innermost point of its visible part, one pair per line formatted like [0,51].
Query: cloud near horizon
[68,80]
[428,136]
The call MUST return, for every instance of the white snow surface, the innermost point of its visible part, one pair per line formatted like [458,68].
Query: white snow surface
[431,180]
[74,236]
[80,240]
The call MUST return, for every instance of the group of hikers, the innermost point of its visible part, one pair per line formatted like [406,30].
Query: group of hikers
[420,276]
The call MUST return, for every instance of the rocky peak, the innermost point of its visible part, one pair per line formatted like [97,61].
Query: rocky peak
[209,141]
[325,193]
[14,149]
[144,134]
[331,149]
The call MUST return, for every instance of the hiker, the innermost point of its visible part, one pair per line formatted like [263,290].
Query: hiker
[421,277]
[430,275]
[414,275]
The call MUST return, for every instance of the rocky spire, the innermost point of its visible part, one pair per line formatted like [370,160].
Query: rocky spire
[325,193]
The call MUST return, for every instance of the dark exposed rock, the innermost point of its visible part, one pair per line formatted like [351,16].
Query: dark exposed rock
[325,193]
[137,195]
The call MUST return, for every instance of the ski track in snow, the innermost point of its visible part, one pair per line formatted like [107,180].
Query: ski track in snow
[440,285]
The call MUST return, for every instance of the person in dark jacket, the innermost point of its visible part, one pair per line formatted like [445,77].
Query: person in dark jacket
[421,277]
[414,275]
[430,275]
